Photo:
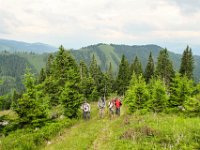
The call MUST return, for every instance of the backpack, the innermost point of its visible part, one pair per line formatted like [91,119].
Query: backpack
[85,108]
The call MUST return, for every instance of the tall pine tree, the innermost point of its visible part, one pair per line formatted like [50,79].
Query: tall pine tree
[123,77]
[32,107]
[136,67]
[149,70]
[164,68]
[158,95]
[181,90]
[187,63]
[137,95]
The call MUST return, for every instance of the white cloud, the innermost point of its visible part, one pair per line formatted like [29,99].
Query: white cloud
[77,23]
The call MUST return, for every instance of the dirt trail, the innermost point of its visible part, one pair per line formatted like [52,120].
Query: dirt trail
[88,135]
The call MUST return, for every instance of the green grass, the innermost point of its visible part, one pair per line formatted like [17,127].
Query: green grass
[135,132]
[149,131]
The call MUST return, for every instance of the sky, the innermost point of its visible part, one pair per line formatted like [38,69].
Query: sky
[173,24]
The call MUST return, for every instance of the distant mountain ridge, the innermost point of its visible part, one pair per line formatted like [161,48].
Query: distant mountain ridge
[18,46]
[106,53]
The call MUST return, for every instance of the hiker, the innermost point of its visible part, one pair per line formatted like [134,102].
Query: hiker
[86,110]
[118,105]
[111,106]
[101,105]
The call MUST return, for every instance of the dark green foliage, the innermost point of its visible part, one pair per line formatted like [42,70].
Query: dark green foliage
[88,86]
[5,101]
[83,70]
[137,95]
[97,75]
[149,70]
[58,74]
[136,67]
[158,95]
[110,79]
[71,99]
[49,65]
[42,76]
[164,68]
[123,77]
[63,82]
[89,89]
[32,107]
[181,90]
[12,68]
[187,63]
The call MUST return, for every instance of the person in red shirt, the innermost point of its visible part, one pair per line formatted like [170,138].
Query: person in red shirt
[118,105]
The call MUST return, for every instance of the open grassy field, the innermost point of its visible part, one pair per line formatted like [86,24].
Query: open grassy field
[149,131]
[135,132]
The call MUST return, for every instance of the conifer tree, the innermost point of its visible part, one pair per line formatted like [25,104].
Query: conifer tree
[83,69]
[110,79]
[71,97]
[136,67]
[164,68]
[123,77]
[187,63]
[158,95]
[97,75]
[42,76]
[32,107]
[181,90]
[88,85]
[149,70]
[49,65]
[62,66]
[89,89]
[137,94]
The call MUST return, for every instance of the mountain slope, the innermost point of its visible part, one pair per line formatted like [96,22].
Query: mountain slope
[149,131]
[12,69]
[105,54]
[14,46]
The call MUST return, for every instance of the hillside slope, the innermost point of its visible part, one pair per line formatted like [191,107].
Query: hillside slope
[150,131]
[105,54]
[17,46]
[12,69]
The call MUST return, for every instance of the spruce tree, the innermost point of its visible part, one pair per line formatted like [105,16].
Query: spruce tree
[149,70]
[110,79]
[137,94]
[136,67]
[181,90]
[49,65]
[158,95]
[123,77]
[83,69]
[63,65]
[89,89]
[164,68]
[42,76]
[32,107]
[71,97]
[187,63]
[97,75]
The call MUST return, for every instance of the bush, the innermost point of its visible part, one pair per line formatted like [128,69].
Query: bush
[33,138]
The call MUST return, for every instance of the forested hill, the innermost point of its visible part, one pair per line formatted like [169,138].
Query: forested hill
[12,68]
[13,64]
[17,46]
[106,53]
